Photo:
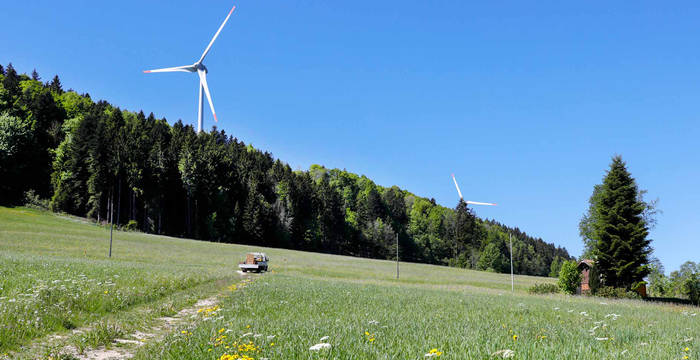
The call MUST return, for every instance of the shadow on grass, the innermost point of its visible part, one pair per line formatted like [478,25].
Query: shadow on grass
[669,300]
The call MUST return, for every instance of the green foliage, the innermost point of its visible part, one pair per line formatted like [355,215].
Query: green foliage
[555,267]
[15,152]
[545,288]
[617,224]
[618,293]
[132,225]
[569,277]
[691,288]
[32,200]
[492,259]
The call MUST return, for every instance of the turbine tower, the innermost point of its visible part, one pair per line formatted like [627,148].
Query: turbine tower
[201,70]
[468,201]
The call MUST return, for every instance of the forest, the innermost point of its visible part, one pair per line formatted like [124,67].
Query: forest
[61,150]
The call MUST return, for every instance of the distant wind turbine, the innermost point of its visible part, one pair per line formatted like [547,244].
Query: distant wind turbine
[468,201]
[201,70]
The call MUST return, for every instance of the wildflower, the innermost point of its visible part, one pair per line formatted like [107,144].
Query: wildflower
[433,352]
[602,338]
[320,346]
[325,338]
[686,349]
[221,330]
[505,353]
[515,337]
[106,292]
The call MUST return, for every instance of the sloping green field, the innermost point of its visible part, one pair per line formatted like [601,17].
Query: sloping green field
[55,276]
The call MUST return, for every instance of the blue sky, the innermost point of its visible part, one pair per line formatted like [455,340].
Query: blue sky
[526,102]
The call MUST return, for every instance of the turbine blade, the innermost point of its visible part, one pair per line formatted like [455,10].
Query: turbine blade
[203,82]
[457,186]
[480,203]
[186,68]
[206,51]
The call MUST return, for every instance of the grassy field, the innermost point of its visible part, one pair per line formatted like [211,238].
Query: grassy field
[55,276]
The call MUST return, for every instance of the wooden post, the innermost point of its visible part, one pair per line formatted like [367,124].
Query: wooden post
[111,222]
[512,282]
[397,256]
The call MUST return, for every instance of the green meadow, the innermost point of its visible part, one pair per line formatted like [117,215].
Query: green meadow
[56,278]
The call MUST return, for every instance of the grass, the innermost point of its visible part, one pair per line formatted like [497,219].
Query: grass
[357,303]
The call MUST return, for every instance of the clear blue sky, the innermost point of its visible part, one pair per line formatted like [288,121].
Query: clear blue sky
[525,102]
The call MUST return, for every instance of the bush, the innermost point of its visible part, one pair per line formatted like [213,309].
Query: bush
[619,293]
[545,288]
[32,200]
[132,225]
[691,288]
[569,277]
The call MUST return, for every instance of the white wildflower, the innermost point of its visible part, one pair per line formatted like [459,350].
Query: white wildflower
[602,338]
[270,337]
[325,338]
[506,353]
[320,346]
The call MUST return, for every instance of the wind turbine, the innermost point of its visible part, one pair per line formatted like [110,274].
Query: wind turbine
[201,70]
[468,201]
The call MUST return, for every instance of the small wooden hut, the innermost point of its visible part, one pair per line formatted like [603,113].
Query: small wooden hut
[584,266]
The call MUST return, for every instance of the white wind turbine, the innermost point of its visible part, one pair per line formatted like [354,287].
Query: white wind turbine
[201,70]
[468,201]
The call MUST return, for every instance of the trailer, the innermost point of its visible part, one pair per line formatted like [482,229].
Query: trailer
[254,262]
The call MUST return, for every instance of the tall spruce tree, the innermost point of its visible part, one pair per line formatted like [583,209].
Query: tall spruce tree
[620,231]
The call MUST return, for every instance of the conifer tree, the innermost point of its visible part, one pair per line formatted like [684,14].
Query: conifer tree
[622,248]
[55,85]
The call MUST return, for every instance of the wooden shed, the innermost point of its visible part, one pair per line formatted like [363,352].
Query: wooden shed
[584,266]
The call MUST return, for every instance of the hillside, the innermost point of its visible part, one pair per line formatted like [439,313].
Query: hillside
[92,159]
[60,293]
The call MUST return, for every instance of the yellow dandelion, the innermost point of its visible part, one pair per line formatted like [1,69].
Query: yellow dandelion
[515,337]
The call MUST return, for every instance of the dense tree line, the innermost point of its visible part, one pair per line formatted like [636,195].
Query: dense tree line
[94,159]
